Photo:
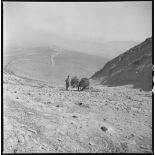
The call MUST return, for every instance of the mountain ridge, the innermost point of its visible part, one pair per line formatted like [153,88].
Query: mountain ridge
[131,67]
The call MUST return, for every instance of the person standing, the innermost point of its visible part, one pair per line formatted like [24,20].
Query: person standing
[67,82]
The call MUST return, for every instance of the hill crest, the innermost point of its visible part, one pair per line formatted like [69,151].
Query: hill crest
[132,67]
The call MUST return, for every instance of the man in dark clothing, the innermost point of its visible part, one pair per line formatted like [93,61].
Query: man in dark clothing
[67,82]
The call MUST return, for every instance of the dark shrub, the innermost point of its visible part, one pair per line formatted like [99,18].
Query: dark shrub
[136,61]
[84,83]
[74,82]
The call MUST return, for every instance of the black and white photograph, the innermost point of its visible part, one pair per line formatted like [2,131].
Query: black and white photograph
[77,77]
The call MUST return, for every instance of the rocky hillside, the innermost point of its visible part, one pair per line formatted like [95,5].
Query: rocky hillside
[43,118]
[132,67]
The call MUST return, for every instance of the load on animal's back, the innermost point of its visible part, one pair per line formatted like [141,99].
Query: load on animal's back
[74,82]
[81,85]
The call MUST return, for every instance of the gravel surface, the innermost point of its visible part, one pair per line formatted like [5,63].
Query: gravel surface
[40,117]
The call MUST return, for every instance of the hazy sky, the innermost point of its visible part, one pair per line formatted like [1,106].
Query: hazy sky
[92,21]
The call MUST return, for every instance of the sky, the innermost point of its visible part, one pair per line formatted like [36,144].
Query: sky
[44,22]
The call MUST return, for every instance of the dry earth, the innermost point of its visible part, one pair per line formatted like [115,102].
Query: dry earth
[39,117]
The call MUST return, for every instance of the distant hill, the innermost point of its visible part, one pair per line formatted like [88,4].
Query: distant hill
[132,67]
[108,49]
[104,49]
[50,64]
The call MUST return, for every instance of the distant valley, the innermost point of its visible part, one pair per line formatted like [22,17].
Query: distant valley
[50,64]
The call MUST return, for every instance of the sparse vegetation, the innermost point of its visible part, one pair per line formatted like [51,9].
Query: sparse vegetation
[136,61]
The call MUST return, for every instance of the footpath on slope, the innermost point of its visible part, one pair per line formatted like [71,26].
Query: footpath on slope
[52,58]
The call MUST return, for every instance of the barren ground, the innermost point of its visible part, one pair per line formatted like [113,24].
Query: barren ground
[40,117]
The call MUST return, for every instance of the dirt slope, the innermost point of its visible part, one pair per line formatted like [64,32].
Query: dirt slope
[132,67]
[39,117]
